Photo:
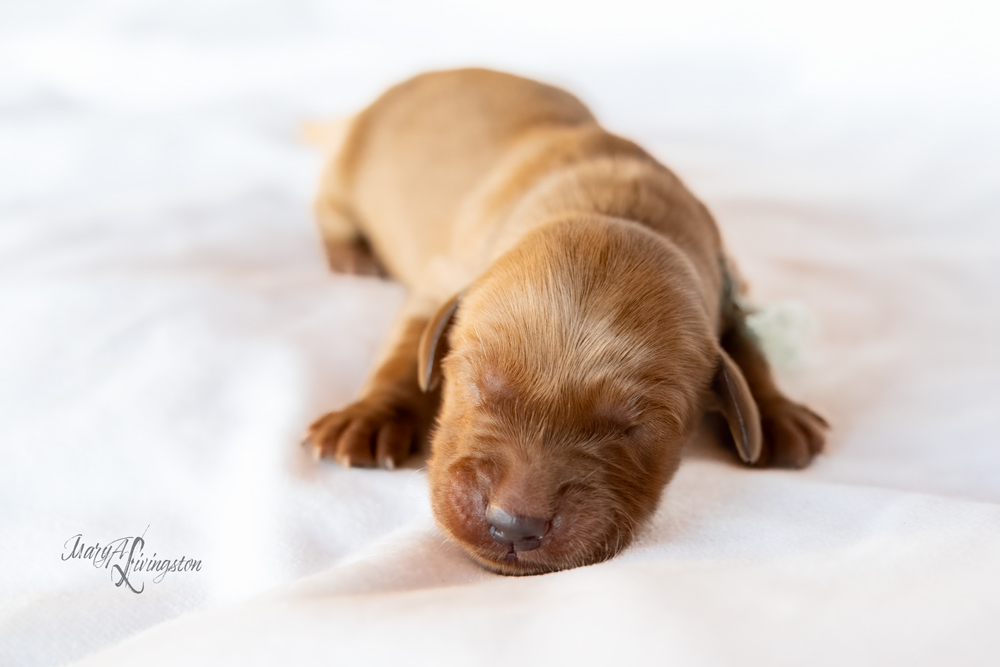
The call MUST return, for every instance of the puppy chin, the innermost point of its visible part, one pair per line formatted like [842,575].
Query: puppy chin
[551,556]
[539,561]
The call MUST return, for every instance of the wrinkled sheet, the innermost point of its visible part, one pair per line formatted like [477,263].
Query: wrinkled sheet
[168,328]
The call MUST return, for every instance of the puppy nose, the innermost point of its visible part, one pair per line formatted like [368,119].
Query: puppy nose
[523,533]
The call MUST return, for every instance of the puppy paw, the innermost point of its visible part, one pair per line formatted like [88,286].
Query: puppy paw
[353,257]
[793,434]
[371,432]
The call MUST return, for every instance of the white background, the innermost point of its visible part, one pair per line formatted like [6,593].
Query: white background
[167,328]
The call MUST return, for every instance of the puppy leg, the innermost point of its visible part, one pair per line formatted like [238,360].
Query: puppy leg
[384,426]
[792,433]
[347,250]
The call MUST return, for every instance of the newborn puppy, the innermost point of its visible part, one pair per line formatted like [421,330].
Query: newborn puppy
[571,297]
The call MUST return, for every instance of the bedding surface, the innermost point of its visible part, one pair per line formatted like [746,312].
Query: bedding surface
[169,328]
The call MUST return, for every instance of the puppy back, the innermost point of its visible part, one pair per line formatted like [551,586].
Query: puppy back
[420,149]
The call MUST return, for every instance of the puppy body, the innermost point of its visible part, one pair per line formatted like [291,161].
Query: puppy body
[577,294]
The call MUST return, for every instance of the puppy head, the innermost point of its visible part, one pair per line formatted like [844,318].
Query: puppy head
[578,365]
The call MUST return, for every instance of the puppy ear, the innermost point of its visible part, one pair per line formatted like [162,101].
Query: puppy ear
[433,344]
[737,405]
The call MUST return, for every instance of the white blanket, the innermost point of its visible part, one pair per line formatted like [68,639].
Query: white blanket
[168,328]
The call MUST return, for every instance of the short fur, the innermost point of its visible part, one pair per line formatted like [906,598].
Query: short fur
[570,292]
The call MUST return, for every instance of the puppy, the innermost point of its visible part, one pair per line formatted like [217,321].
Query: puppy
[571,298]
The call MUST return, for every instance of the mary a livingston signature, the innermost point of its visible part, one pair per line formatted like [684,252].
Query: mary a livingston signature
[131,558]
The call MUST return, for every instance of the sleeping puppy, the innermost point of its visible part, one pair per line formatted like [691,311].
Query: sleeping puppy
[571,298]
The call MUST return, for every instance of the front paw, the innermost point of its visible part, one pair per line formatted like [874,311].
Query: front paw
[353,257]
[793,434]
[371,432]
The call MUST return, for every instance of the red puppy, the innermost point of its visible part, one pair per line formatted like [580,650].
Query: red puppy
[571,297]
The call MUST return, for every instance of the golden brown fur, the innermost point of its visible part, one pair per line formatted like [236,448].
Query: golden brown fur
[572,295]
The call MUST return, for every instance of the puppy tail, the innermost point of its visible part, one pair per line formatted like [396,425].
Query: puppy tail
[326,134]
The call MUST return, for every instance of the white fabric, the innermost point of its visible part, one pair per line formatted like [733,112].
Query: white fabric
[169,328]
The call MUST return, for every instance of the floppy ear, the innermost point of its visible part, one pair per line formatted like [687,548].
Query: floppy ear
[433,343]
[737,405]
